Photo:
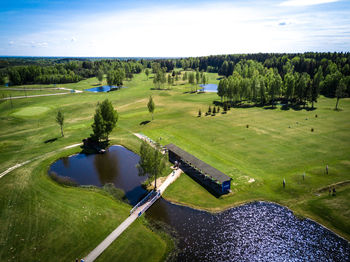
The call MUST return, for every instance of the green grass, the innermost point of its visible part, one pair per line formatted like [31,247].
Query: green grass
[31,111]
[52,222]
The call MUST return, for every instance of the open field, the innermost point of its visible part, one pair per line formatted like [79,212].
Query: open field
[59,223]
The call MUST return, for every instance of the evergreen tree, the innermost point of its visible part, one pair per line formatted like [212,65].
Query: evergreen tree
[199,113]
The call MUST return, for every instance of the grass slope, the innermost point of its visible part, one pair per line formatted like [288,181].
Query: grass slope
[51,219]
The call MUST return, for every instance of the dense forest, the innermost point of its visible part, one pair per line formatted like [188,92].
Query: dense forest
[259,78]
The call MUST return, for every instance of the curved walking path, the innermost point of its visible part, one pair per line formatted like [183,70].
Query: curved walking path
[127,222]
[35,158]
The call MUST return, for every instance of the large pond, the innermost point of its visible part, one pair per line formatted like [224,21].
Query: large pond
[257,231]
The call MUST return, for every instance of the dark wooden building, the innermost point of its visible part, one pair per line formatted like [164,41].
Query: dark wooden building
[219,182]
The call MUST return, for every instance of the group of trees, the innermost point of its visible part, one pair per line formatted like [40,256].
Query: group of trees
[67,70]
[262,77]
[196,78]
[116,77]
[253,82]
[105,119]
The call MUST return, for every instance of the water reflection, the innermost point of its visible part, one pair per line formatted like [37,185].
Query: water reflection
[117,165]
[107,168]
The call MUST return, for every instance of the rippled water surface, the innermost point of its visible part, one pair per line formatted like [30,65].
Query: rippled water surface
[258,231]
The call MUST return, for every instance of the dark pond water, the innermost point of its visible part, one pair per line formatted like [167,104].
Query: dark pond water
[117,165]
[257,231]
[209,88]
[102,88]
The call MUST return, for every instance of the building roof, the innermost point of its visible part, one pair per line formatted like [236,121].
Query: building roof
[199,164]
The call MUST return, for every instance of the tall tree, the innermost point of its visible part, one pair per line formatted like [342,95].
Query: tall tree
[60,120]
[197,79]
[340,92]
[105,119]
[152,162]
[147,72]
[289,85]
[100,76]
[191,78]
[151,106]
[98,127]
[204,79]
[316,83]
[222,88]
[184,77]
[109,116]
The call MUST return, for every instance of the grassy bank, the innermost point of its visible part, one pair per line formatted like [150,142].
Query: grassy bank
[278,144]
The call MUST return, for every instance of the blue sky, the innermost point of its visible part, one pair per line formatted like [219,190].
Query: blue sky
[172,28]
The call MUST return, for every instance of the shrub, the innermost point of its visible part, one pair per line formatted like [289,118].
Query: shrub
[209,110]
[316,115]
[117,193]
[312,130]
[64,180]
[247,126]
[199,113]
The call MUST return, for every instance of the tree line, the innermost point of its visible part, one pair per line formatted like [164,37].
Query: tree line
[253,82]
[69,71]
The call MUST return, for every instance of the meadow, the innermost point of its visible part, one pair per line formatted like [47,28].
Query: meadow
[41,220]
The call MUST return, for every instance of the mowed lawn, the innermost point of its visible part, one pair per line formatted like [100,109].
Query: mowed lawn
[278,144]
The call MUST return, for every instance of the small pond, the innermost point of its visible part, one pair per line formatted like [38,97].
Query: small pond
[258,231]
[209,88]
[117,166]
[103,89]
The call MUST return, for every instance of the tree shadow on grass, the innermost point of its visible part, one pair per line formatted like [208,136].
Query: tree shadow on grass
[270,107]
[50,140]
[144,123]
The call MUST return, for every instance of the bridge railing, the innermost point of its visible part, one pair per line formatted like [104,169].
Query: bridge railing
[150,203]
[144,200]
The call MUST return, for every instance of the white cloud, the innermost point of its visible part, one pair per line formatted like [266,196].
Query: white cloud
[193,31]
[306,2]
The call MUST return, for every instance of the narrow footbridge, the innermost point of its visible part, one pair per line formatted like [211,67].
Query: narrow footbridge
[136,212]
